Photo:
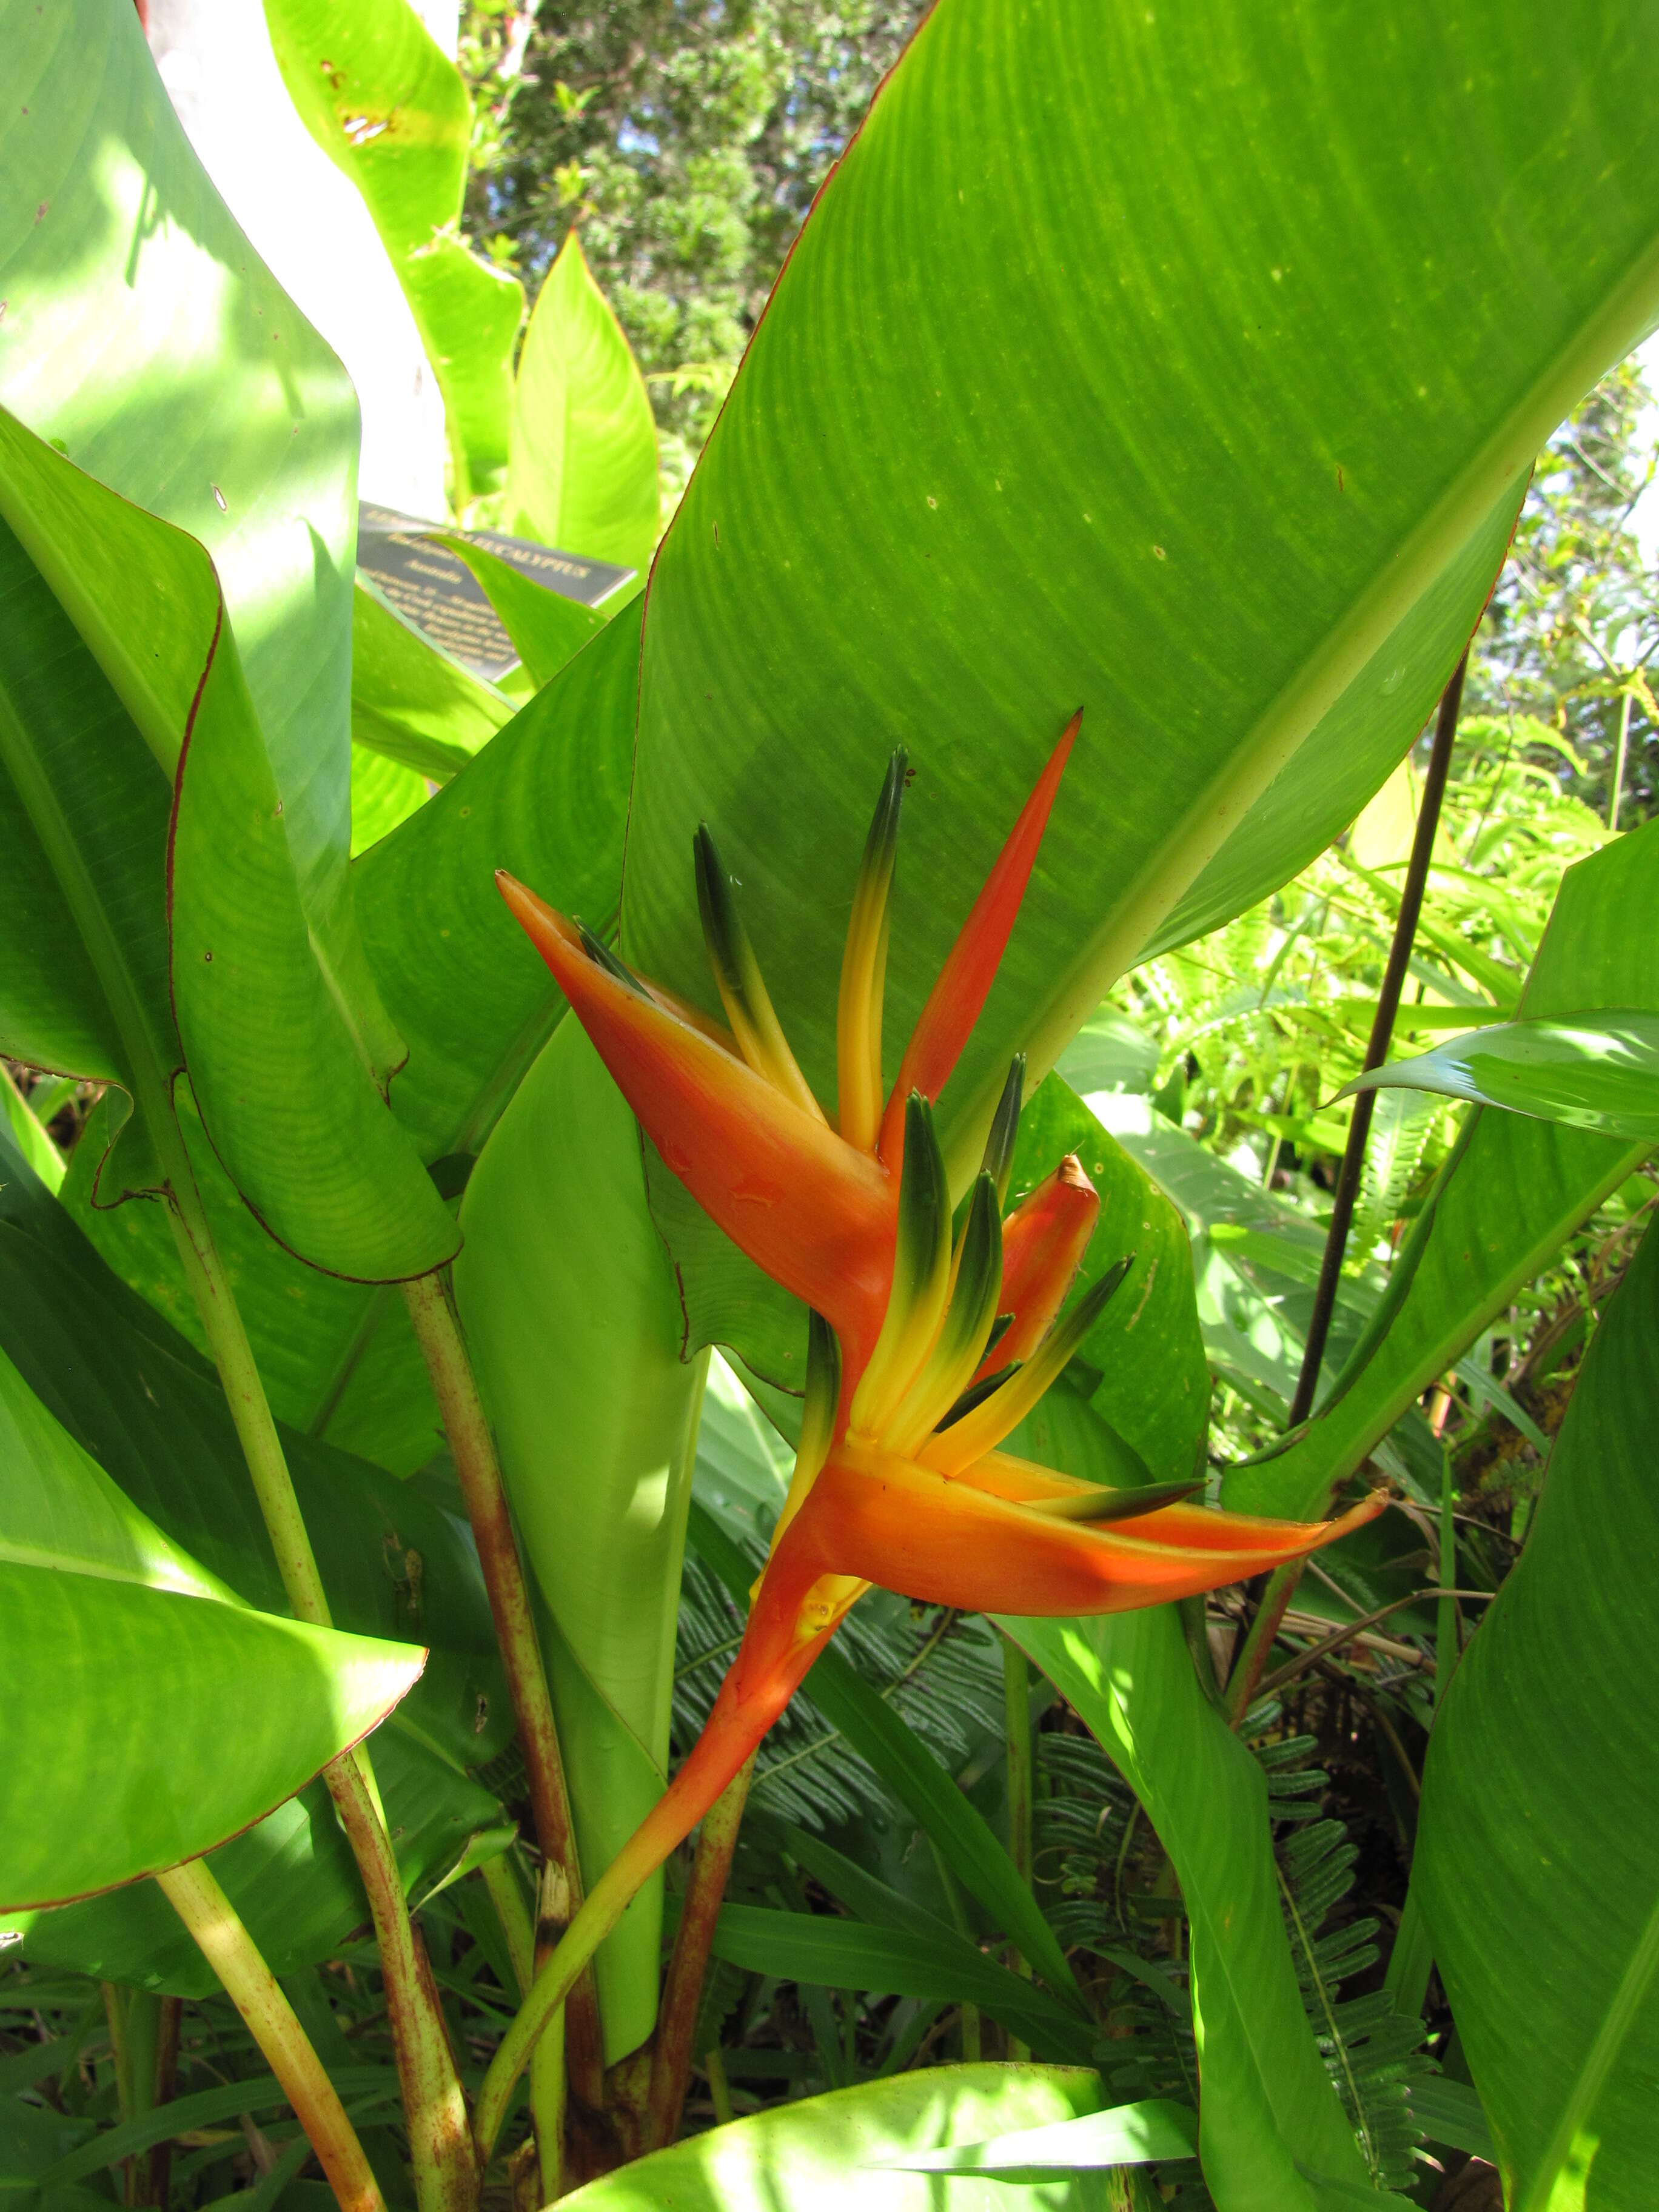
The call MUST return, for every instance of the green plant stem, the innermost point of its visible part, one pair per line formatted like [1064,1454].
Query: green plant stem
[438,1332]
[1017,1733]
[245,1394]
[446,2179]
[135,2017]
[547,2096]
[196,1898]
[601,1910]
[720,2089]
[547,2077]
[511,1909]
[682,1997]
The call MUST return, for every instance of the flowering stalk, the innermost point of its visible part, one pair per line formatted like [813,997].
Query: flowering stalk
[928,1345]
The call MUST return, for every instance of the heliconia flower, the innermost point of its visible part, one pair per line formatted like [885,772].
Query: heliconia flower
[928,1345]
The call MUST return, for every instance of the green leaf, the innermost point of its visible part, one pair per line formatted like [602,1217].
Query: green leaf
[547,630]
[282,1079]
[410,702]
[263,2093]
[338,1359]
[1514,1190]
[83,814]
[28,1133]
[383,793]
[1599,1071]
[1272,2132]
[1110,1052]
[1537,1842]
[583,472]
[1053,2030]
[1127,2135]
[918,1962]
[818,2142]
[887,1742]
[569,1309]
[145,337]
[546,798]
[122,1656]
[1449,2113]
[1054,405]
[390,111]
[292,1880]
[150,1410]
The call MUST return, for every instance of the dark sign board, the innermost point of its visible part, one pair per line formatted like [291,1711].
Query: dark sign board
[440,595]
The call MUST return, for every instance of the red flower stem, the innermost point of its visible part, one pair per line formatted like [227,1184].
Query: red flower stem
[196,1898]
[438,1332]
[688,1969]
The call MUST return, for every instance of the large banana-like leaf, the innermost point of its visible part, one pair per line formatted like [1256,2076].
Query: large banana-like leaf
[810,2153]
[1538,1842]
[391,110]
[127,672]
[547,797]
[1515,1191]
[1184,366]
[583,472]
[146,337]
[135,1398]
[1272,2135]
[570,1312]
[291,1878]
[123,1659]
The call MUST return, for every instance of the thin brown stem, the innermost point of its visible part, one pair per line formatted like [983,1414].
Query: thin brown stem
[1377,1050]
[156,2174]
[196,1898]
[1281,1584]
[677,2019]
[1345,1634]
[438,1332]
